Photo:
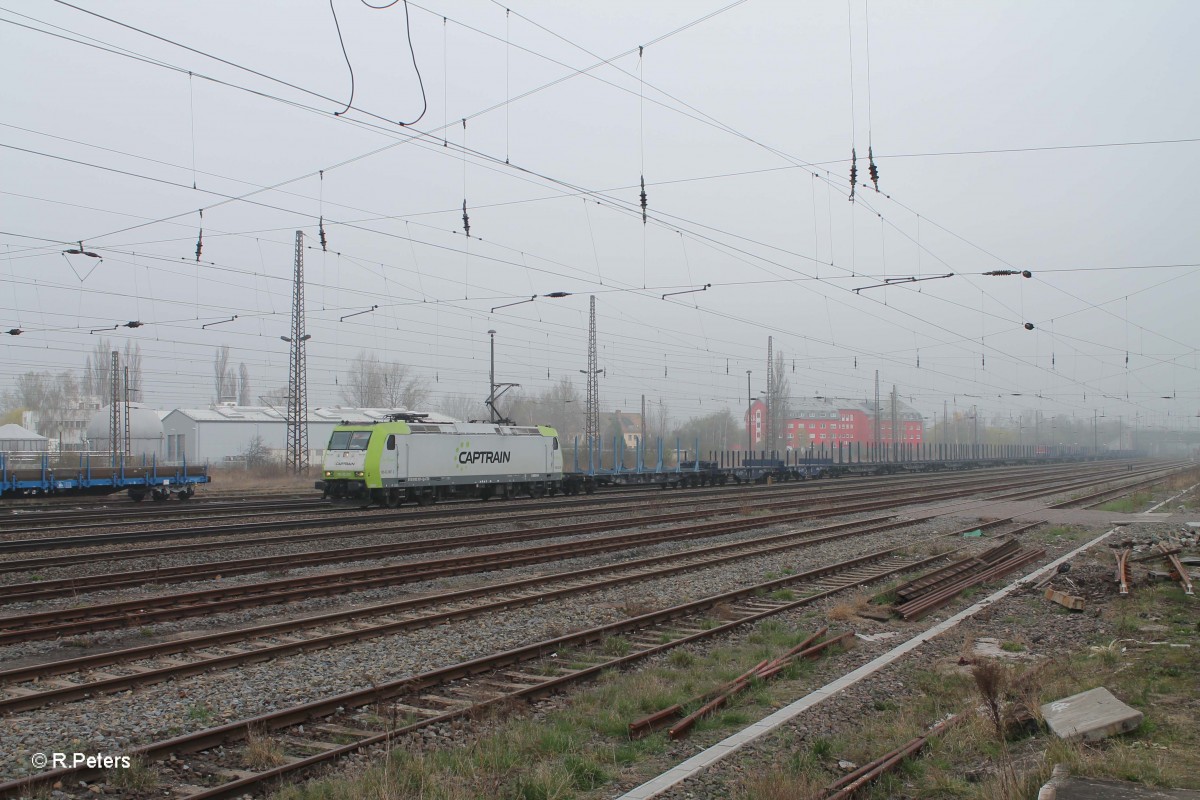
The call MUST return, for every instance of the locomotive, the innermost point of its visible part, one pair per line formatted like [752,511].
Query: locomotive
[410,459]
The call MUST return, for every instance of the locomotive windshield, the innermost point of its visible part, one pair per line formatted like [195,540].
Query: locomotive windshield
[349,440]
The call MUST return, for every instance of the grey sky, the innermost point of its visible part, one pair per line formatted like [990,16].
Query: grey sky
[944,78]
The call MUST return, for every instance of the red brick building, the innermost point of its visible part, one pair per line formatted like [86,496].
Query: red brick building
[829,421]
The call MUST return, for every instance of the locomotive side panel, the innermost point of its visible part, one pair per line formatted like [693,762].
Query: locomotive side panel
[479,458]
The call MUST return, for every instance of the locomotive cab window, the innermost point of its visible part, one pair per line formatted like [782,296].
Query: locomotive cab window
[555,442]
[391,441]
[349,440]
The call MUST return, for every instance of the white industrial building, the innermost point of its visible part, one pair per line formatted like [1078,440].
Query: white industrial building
[223,433]
[146,438]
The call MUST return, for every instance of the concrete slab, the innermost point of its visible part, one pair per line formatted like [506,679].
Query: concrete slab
[1090,716]
[1089,789]
[990,647]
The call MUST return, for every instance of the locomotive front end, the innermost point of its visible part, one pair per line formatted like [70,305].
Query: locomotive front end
[345,467]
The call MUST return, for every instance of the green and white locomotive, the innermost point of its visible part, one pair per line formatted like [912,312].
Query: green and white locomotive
[409,459]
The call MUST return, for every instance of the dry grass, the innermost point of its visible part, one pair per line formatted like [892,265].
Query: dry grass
[636,608]
[262,752]
[778,783]
[259,480]
[850,608]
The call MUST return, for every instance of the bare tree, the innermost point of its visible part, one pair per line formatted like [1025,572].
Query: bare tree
[371,383]
[779,406]
[659,422]
[711,430]
[133,363]
[243,385]
[96,369]
[461,408]
[276,398]
[51,396]
[223,379]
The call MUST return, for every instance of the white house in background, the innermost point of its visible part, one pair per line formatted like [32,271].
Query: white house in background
[17,439]
[223,433]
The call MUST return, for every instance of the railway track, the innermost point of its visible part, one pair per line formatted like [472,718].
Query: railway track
[467,688]
[27,688]
[462,690]
[86,619]
[493,513]
[41,588]
[51,518]
[142,611]
[44,589]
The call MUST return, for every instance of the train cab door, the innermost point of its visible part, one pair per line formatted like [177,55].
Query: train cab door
[556,460]
[389,461]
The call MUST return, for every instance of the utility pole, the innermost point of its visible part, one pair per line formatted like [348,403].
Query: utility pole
[878,428]
[114,408]
[125,411]
[643,424]
[975,435]
[945,420]
[749,419]
[491,402]
[895,444]
[297,408]
[769,422]
[1095,434]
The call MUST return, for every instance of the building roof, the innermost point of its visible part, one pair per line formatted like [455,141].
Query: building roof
[828,407]
[14,432]
[267,414]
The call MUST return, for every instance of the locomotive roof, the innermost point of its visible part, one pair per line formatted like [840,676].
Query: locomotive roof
[330,414]
[427,426]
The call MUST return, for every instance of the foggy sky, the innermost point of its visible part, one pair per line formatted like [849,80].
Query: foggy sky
[742,126]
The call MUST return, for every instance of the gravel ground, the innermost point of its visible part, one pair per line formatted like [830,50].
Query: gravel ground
[168,709]
[1022,617]
[115,722]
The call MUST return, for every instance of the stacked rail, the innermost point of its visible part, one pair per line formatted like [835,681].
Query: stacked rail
[935,589]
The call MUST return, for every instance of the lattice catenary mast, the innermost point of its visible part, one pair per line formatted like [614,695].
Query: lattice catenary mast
[592,423]
[297,408]
[114,407]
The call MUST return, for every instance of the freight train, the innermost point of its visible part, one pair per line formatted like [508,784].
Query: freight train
[410,459]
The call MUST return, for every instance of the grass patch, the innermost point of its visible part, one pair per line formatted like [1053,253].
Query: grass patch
[987,757]
[137,777]
[578,750]
[616,646]
[200,712]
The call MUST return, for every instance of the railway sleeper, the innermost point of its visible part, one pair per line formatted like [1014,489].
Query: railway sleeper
[403,709]
[305,744]
[342,730]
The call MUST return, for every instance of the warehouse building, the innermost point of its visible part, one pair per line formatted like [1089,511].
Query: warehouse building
[224,433]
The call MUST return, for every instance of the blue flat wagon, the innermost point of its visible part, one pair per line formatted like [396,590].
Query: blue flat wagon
[66,474]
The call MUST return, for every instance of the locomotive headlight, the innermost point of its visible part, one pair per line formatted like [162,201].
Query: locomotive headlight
[328,473]
[359,474]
